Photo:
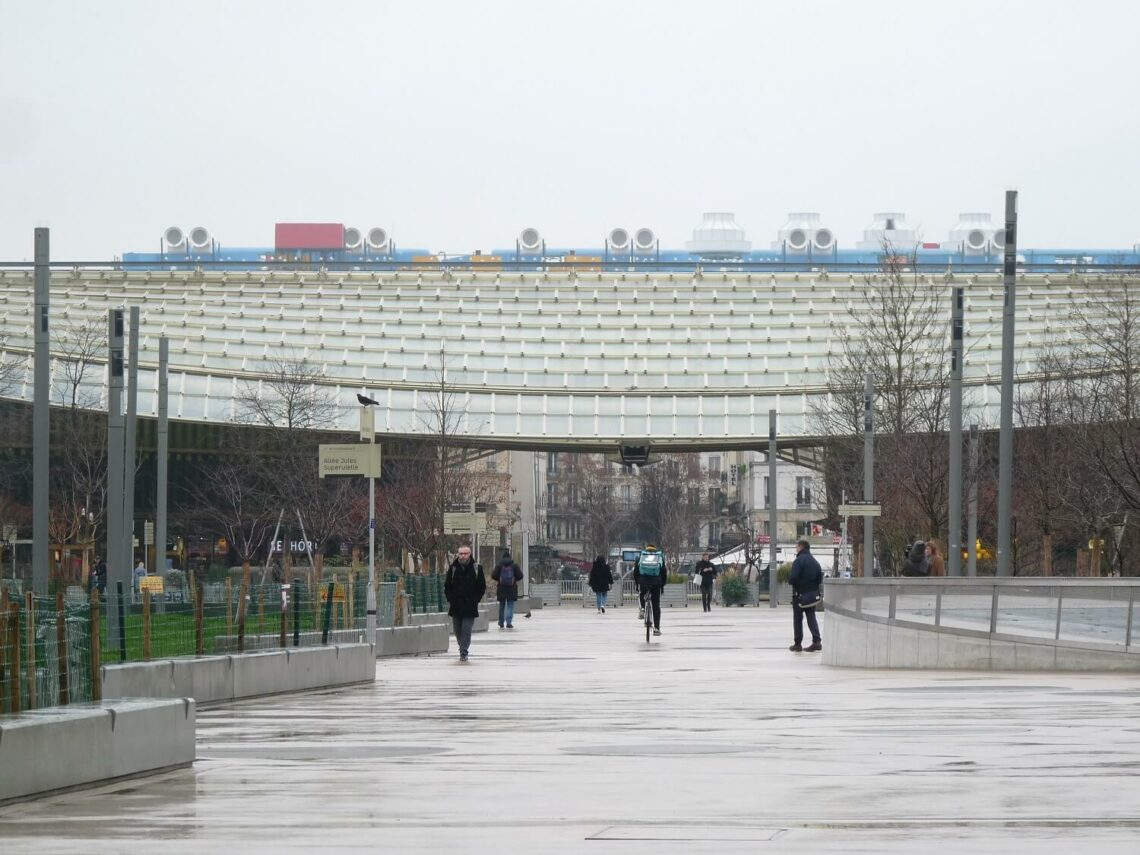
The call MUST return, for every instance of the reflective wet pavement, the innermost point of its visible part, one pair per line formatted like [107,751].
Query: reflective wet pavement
[570,734]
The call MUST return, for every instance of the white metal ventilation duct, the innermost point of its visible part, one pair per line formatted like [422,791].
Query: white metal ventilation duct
[530,241]
[803,233]
[174,238]
[352,238]
[998,241]
[718,236]
[378,239]
[973,234]
[644,240]
[618,240]
[199,238]
[889,229]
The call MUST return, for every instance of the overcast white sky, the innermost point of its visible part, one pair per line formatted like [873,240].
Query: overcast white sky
[456,124]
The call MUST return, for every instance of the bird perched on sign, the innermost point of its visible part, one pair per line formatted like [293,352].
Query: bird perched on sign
[365,400]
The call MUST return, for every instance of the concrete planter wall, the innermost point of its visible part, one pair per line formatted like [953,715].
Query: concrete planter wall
[61,747]
[210,679]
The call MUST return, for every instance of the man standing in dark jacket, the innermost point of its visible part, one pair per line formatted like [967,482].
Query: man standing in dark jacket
[464,586]
[806,579]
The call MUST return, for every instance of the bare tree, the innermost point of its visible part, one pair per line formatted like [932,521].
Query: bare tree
[290,406]
[603,518]
[12,367]
[671,507]
[78,348]
[898,335]
[229,494]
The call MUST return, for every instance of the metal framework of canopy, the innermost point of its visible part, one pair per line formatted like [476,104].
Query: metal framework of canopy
[576,360]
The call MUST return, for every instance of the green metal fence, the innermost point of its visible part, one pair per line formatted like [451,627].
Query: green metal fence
[45,652]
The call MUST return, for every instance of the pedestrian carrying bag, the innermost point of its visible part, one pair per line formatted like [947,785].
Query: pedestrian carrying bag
[808,599]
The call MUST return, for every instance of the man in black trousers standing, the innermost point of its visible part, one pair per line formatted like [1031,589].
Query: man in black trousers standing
[807,581]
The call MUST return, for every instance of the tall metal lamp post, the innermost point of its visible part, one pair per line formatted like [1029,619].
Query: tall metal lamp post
[368,432]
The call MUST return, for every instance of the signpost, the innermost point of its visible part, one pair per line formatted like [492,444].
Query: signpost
[360,460]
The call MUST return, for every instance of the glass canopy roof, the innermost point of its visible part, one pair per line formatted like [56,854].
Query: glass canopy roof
[587,360]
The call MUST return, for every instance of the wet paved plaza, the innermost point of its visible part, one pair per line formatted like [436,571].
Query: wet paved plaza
[570,734]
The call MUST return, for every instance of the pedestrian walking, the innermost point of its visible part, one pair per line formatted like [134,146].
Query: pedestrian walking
[600,582]
[937,565]
[707,571]
[139,575]
[507,575]
[464,586]
[807,581]
[98,576]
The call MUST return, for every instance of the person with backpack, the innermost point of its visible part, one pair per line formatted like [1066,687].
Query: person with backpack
[507,574]
[601,578]
[651,576]
[464,586]
[917,563]
[806,580]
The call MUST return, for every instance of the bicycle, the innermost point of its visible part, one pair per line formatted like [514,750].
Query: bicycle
[647,607]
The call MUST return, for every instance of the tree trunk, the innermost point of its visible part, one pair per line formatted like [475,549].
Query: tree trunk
[1047,554]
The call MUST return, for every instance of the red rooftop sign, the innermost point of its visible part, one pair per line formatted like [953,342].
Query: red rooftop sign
[309,236]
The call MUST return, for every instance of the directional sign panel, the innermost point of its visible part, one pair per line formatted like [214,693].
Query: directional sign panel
[861,509]
[350,460]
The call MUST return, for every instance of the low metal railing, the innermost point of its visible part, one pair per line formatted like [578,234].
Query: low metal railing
[1098,611]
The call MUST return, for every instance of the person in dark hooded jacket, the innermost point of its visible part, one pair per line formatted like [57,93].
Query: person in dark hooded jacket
[601,579]
[917,563]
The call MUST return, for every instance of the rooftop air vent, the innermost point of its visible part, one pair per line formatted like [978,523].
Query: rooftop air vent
[891,230]
[973,234]
[175,239]
[530,242]
[718,236]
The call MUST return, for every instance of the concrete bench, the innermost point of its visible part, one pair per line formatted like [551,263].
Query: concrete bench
[85,744]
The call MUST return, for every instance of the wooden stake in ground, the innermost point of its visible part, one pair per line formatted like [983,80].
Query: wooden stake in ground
[229,608]
[30,656]
[146,624]
[61,650]
[199,616]
[14,645]
[4,691]
[243,597]
[96,649]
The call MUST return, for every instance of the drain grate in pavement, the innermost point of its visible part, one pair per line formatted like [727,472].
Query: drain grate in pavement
[694,833]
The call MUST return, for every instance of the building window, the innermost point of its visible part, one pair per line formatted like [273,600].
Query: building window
[492,464]
[714,464]
[767,486]
[626,497]
[552,462]
[552,496]
[803,492]
[571,495]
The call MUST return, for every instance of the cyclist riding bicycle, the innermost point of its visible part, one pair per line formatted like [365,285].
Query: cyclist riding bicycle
[649,572]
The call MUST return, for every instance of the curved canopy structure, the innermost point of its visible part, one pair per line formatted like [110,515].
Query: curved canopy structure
[585,360]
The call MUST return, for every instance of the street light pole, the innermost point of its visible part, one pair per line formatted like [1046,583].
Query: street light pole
[368,431]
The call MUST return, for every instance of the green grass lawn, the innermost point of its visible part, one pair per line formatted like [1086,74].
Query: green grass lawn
[173,634]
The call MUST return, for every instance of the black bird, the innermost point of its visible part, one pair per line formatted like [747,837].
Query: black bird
[365,400]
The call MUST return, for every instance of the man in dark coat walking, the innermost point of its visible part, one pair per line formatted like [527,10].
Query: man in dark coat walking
[707,571]
[464,586]
[507,575]
[807,580]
